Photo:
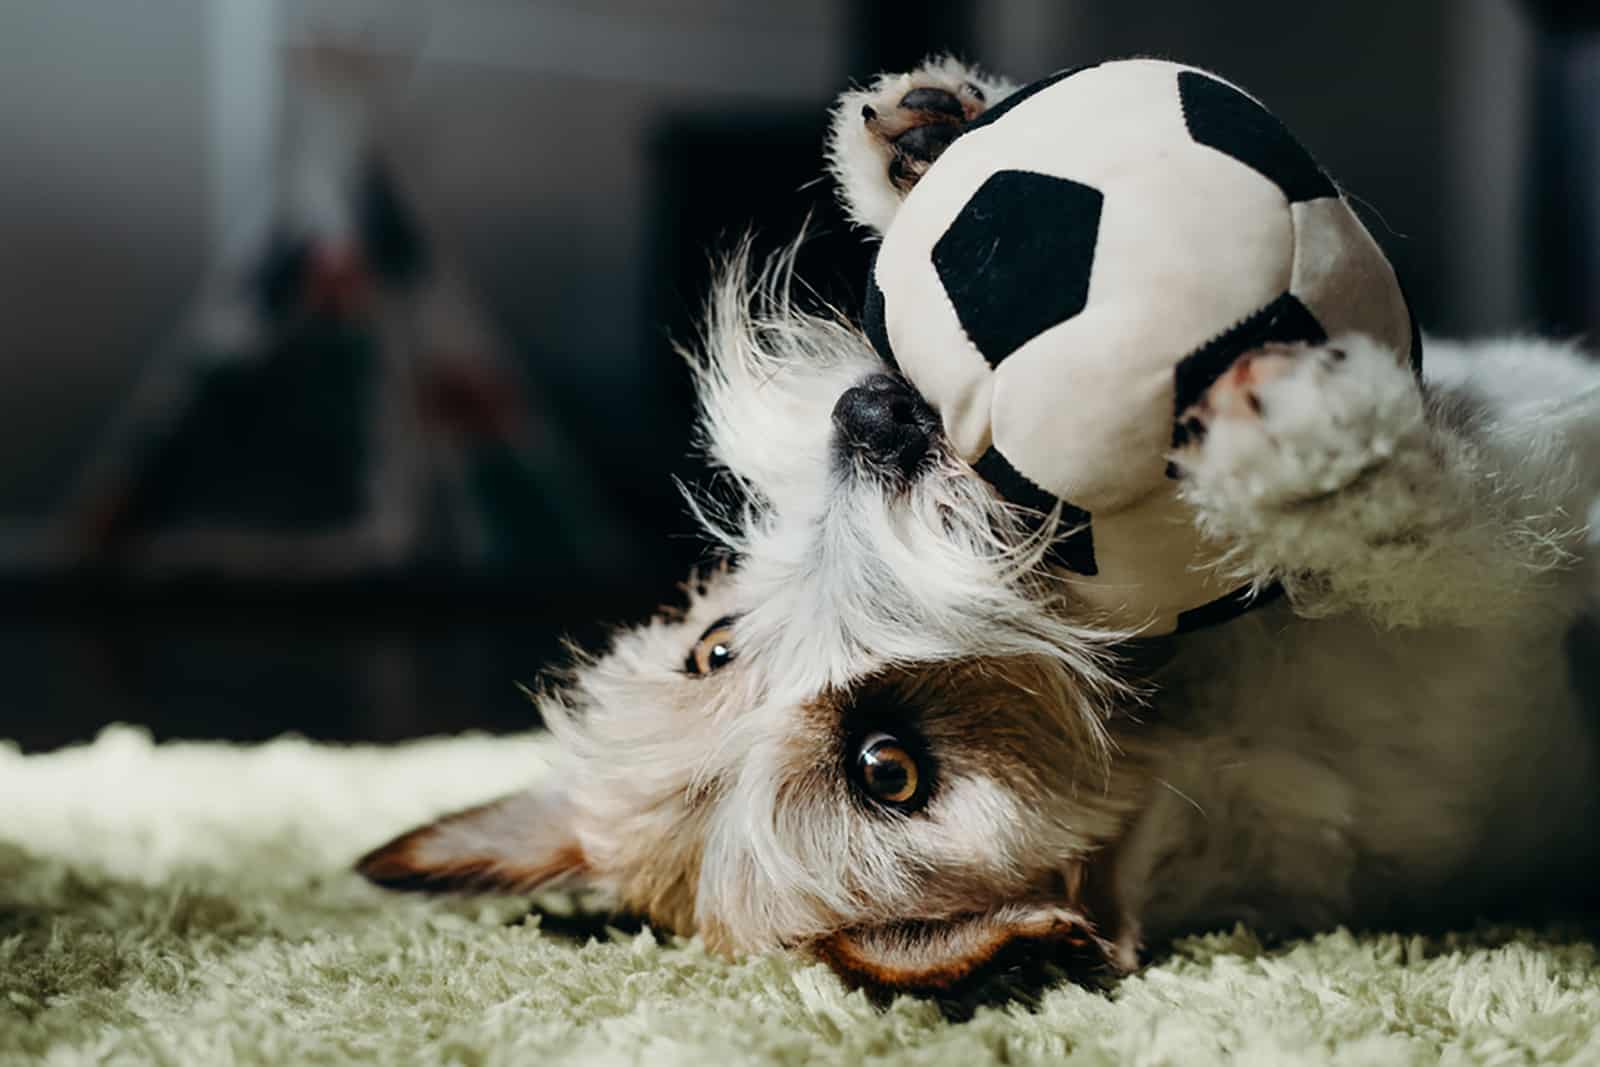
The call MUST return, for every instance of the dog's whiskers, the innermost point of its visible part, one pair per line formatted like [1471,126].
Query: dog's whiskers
[1185,796]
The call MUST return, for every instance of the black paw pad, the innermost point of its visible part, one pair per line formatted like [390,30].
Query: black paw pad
[926,143]
[1189,431]
[938,101]
[916,149]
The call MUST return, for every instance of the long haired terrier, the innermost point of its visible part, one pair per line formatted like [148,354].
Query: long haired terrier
[889,735]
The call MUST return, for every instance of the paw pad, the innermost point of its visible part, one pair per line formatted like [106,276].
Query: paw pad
[920,123]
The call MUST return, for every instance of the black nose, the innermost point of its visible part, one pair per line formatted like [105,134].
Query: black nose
[884,423]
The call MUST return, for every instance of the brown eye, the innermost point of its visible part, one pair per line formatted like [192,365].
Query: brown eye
[713,651]
[889,773]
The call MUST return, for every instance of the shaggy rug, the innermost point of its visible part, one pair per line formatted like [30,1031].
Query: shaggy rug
[190,903]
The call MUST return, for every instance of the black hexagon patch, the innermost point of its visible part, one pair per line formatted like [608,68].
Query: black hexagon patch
[873,320]
[1017,260]
[1221,117]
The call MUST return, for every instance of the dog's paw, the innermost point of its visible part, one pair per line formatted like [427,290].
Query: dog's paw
[1288,425]
[885,137]
[913,126]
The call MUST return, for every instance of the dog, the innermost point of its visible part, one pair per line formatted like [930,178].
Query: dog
[888,736]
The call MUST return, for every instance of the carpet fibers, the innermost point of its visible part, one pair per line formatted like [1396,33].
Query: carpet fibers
[191,904]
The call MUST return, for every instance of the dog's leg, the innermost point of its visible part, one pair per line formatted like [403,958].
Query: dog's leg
[884,137]
[1329,469]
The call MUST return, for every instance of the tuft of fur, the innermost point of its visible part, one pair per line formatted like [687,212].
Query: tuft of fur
[1336,475]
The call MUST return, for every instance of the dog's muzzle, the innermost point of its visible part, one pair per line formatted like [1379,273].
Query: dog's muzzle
[884,425]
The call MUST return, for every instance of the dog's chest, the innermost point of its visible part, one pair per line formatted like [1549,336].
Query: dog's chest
[1314,772]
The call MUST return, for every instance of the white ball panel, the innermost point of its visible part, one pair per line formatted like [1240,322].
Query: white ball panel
[1343,277]
[1085,409]
[1152,565]
[1093,432]
[1071,131]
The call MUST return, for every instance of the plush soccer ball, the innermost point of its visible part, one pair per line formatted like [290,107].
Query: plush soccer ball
[1080,266]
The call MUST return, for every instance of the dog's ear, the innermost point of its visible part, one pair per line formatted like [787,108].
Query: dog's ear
[950,957]
[512,845]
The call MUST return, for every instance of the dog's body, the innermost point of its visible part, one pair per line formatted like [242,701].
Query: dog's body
[897,741]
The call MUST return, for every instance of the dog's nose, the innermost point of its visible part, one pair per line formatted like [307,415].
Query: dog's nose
[886,424]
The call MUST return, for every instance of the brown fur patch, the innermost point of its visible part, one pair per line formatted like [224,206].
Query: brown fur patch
[661,884]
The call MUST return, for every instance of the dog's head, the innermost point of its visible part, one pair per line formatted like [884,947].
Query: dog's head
[878,735]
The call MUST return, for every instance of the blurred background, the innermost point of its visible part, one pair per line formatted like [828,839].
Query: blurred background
[336,367]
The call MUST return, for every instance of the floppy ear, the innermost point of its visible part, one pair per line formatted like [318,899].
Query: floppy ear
[954,956]
[512,845]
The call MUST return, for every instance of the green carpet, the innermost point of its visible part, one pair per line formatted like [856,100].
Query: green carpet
[190,904]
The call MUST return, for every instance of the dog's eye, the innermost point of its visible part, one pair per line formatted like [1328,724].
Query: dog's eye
[713,651]
[888,772]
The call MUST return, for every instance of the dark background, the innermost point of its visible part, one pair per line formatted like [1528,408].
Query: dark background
[579,162]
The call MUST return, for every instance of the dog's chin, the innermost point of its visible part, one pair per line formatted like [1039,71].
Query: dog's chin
[999,953]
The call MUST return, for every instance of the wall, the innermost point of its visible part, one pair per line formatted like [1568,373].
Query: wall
[531,123]
[527,125]
[102,216]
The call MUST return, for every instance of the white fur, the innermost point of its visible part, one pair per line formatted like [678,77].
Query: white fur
[1464,501]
